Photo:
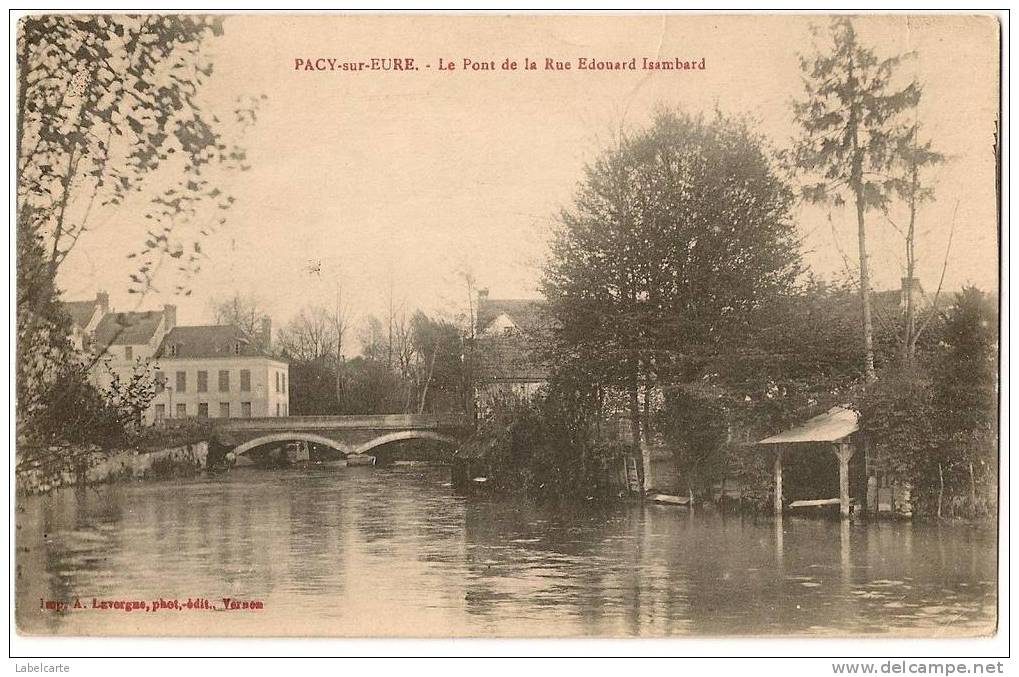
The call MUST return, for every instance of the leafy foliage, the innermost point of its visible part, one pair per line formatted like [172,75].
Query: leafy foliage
[547,447]
[679,237]
[936,425]
[109,113]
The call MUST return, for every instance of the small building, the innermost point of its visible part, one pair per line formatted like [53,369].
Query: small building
[827,447]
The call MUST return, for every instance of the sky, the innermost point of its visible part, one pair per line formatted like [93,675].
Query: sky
[366,181]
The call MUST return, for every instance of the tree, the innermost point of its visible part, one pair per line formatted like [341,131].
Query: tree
[912,157]
[133,108]
[129,127]
[898,415]
[308,337]
[340,320]
[965,385]
[243,311]
[439,372]
[851,133]
[371,336]
[679,237]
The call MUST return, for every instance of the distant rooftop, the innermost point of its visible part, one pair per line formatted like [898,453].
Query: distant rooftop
[118,329]
[81,311]
[527,314]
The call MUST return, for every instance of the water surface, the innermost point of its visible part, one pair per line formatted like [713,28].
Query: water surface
[391,551]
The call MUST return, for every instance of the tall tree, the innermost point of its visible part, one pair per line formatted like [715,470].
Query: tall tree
[913,157]
[851,124]
[679,236]
[341,324]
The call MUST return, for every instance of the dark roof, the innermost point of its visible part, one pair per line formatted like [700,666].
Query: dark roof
[209,341]
[80,312]
[528,314]
[508,358]
[118,329]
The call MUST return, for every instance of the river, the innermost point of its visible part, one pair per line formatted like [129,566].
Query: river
[391,551]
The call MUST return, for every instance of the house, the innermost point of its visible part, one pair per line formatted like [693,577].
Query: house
[217,371]
[507,355]
[214,371]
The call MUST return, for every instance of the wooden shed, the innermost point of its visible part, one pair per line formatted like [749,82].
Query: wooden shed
[834,430]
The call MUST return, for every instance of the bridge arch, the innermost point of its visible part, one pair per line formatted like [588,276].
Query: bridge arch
[291,437]
[406,435]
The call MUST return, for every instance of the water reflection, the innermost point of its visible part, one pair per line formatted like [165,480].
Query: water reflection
[370,551]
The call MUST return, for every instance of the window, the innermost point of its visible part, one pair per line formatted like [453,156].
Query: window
[173,350]
[203,410]
[128,352]
[160,412]
[182,382]
[246,409]
[277,381]
[224,381]
[284,375]
[160,378]
[182,411]
[224,410]
[203,381]
[245,380]
[237,349]
[277,408]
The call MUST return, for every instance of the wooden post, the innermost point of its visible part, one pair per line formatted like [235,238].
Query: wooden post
[778,480]
[844,452]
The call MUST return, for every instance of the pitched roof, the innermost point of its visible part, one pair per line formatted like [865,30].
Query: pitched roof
[831,426]
[528,315]
[118,329]
[80,312]
[209,341]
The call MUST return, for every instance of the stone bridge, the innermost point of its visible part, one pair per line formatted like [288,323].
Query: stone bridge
[350,435]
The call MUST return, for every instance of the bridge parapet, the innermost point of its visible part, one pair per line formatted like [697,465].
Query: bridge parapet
[348,434]
[368,422]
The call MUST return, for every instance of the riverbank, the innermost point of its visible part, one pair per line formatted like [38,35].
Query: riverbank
[84,466]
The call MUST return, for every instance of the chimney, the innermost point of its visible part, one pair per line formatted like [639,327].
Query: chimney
[912,288]
[266,334]
[103,299]
[169,316]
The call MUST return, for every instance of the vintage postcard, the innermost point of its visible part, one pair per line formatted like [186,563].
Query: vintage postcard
[449,325]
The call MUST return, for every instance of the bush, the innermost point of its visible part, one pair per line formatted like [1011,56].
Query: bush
[545,447]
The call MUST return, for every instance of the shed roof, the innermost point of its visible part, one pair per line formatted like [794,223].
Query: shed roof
[831,426]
